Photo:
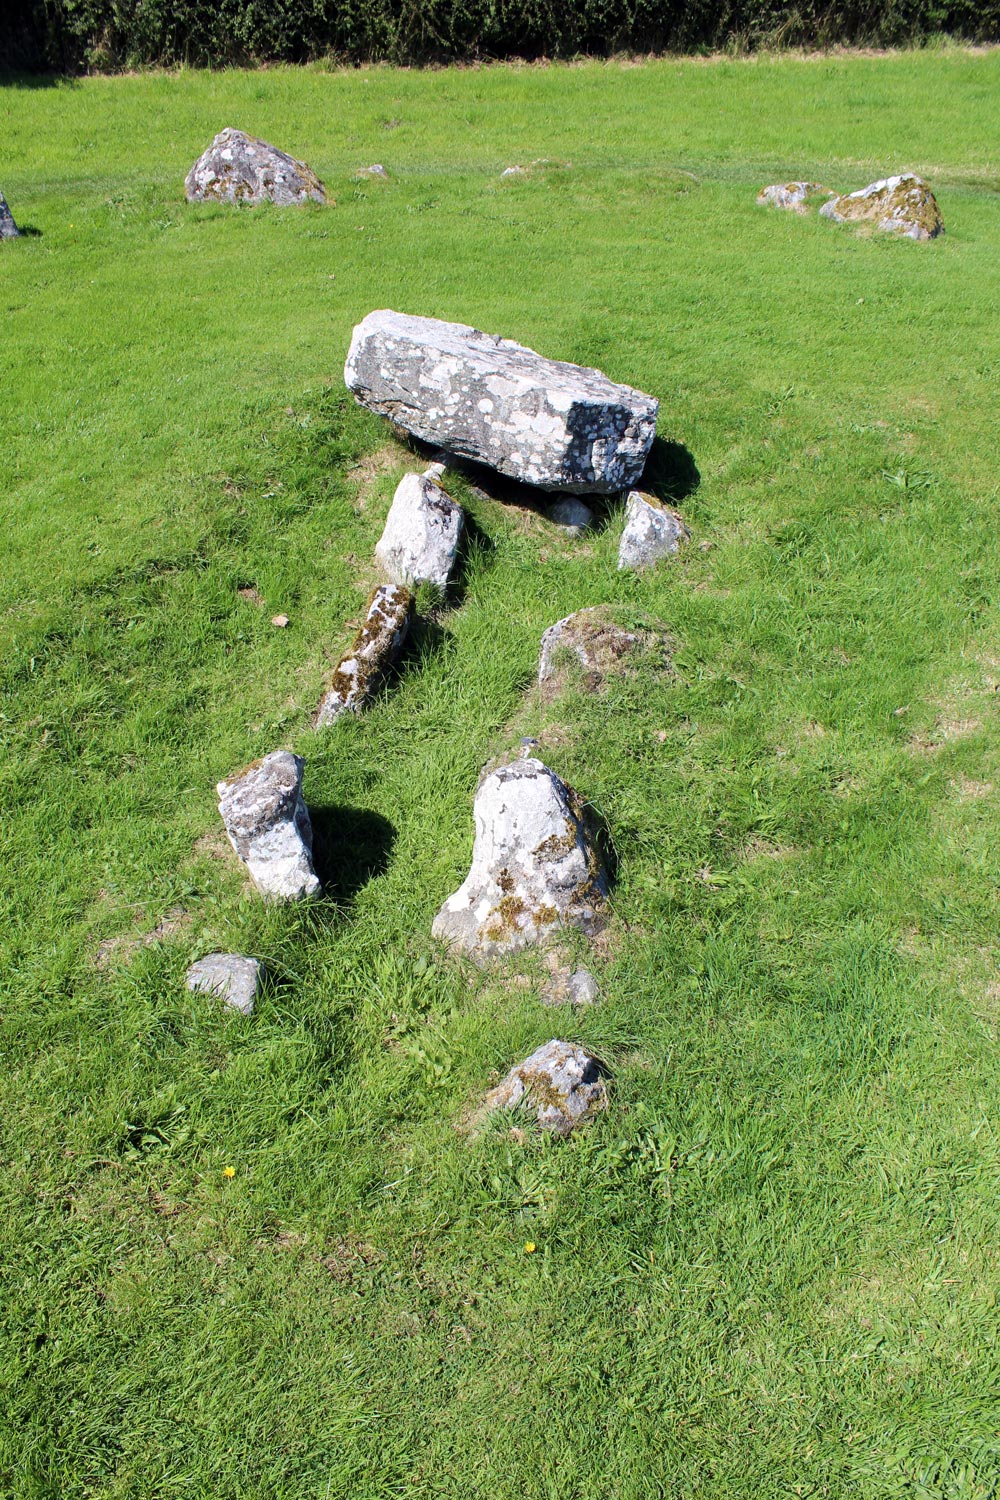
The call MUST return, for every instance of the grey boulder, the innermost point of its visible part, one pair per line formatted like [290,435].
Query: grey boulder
[535,865]
[903,205]
[422,532]
[8,229]
[794,196]
[650,533]
[361,670]
[268,825]
[230,976]
[542,421]
[562,1082]
[594,641]
[238,168]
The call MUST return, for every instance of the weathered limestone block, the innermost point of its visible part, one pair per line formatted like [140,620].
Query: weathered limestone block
[238,168]
[8,229]
[422,532]
[904,205]
[541,421]
[563,1082]
[235,979]
[602,647]
[361,670]
[268,826]
[535,865]
[792,195]
[650,532]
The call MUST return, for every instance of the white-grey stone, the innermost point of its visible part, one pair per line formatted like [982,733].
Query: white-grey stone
[377,170]
[541,421]
[535,865]
[650,532]
[235,979]
[563,1083]
[578,988]
[8,229]
[903,205]
[791,195]
[514,171]
[268,825]
[572,514]
[238,168]
[422,532]
[360,672]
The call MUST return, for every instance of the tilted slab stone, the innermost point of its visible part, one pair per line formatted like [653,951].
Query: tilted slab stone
[903,205]
[422,532]
[238,168]
[268,826]
[562,1082]
[792,195]
[361,670]
[230,976]
[8,229]
[593,639]
[535,865]
[542,421]
[650,532]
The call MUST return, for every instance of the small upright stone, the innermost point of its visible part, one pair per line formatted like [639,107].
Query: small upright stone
[268,825]
[602,647]
[651,532]
[8,229]
[903,205]
[422,532]
[360,671]
[572,515]
[794,196]
[564,1084]
[235,979]
[238,168]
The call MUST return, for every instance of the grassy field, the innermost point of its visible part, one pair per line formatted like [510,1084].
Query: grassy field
[772,1267]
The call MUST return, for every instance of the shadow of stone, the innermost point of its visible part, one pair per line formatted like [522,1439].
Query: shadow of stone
[351,846]
[671,473]
[28,232]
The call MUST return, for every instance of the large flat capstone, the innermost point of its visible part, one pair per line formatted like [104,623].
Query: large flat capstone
[542,421]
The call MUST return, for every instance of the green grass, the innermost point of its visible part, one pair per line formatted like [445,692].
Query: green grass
[771,1268]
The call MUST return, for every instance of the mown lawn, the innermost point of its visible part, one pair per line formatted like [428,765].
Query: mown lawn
[772,1266]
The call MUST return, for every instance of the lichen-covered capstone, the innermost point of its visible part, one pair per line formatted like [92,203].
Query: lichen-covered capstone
[238,168]
[541,421]
[562,1082]
[268,825]
[903,205]
[8,229]
[535,865]
[794,196]
[230,976]
[360,671]
[422,532]
[650,532]
[594,640]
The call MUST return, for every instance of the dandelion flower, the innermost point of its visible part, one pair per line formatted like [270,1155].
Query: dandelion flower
[229,1171]
[529,1248]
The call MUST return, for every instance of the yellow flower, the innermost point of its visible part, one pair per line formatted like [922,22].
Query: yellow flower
[529,1248]
[229,1171]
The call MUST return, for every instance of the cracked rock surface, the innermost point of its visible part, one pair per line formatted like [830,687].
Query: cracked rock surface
[235,979]
[903,205]
[544,422]
[650,532]
[238,168]
[361,670]
[8,229]
[422,532]
[268,825]
[602,647]
[563,1082]
[535,865]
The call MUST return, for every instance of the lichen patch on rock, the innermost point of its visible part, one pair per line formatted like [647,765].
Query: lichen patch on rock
[595,642]
[902,205]
[363,667]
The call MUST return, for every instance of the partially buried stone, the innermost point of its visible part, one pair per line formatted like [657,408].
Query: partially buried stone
[535,865]
[238,168]
[578,988]
[650,532]
[422,532]
[376,170]
[235,979]
[541,421]
[8,229]
[903,205]
[572,515]
[562,1082]
[794,196]
[268,825]
[361,670]
[593,639]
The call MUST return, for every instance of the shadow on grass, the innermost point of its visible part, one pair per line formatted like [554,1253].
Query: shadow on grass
[351,846]
[671,473]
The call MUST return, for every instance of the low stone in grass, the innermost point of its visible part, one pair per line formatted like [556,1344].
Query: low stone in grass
[903,205]
[376,170]
[422,532]
[535,865]
[578,988]
[595,641]
[361,670]
[794,196]
[235,979]
[572,515]
[238,168]
[651,532]
[268,825]
[563,1083]
[8,229]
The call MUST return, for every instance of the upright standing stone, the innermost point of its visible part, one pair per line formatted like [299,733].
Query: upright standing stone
[650,532]
[547,423]
[903,205]
[563,1083]
[422,532]
[362,669]
[8,229]
[268,825]
[238,168]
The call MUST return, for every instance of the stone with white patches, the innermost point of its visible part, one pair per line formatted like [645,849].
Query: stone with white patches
[794,196]
[903,205]
[422,532]
[361,670]
[561,1082]
[238,168]
[268,825]
[650,533]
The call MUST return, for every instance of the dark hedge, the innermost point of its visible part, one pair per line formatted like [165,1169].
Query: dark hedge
[74,35]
